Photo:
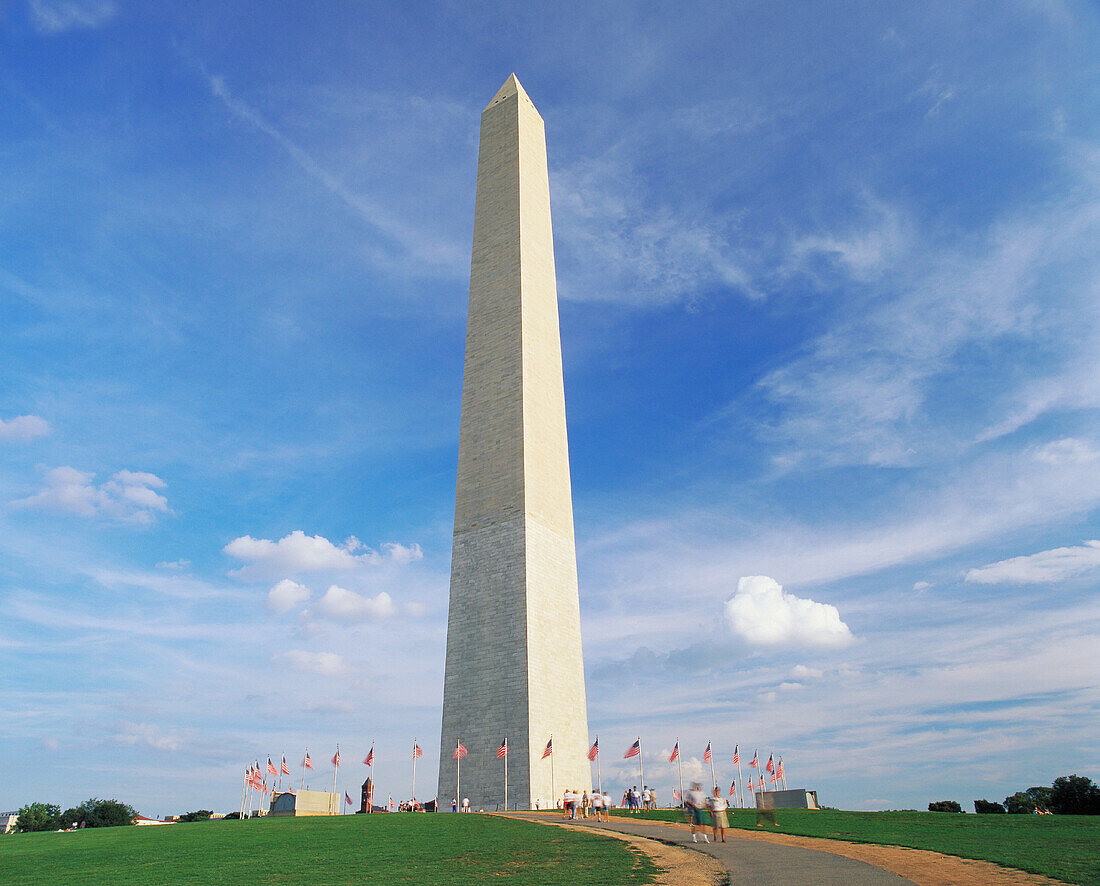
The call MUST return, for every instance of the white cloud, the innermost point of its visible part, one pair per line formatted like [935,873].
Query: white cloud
[919,586]
[344,605]
[147,734]
[174,565]
[129,496]
[286,594]
[402,554]
[23,428]
[1067,450]
[801,672]
[328,664]
[56,16]
[1054,565]
[761,612]
[296,553]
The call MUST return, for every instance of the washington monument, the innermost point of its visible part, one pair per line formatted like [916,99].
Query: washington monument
[514,666]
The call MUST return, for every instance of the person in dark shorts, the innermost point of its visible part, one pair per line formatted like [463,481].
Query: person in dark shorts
[697,810]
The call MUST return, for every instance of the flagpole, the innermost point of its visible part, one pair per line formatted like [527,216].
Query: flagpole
[414,768]
[599,778]
[244,793]
[740,779]
[244,787]
[680,771]
[303,787]
[641,770]
[458,776]
[714,781]
[336,768]
[783,777]
[506,749]
[553,790]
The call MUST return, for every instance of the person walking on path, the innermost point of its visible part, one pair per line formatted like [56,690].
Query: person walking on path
[697,807]
[596,802]
[607,806]
[586,801]
[719,821]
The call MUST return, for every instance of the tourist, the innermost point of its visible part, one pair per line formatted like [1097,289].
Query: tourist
[636,799]
[719,821]
[465,804]
[697,804]
[454,804]
[607,806]
[585,803]
[596,802]
[652,799]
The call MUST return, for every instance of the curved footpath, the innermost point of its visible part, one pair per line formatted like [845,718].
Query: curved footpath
[771,859]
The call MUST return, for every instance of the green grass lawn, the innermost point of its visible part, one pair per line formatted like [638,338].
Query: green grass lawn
[1066,847]
[398,849]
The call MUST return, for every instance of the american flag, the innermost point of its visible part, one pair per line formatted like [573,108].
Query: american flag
[264,783]
[459,753]
[502,751]
[675,752]
[771,766]
[736,756]
[549,748]
[676,796]
[370,756]
[271,766]
[594,751]
[306,762]
[779,769]
[419,753]
[336,757]
[347,799]
[633,750]
[754,762]
[706,754]
[733,788]
[283,767]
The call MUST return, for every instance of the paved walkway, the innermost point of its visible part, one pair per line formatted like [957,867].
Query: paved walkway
[754,861]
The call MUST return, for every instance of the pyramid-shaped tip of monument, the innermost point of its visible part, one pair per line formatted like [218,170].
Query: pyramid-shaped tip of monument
[511,87]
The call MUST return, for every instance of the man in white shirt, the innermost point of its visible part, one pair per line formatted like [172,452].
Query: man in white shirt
[697,805]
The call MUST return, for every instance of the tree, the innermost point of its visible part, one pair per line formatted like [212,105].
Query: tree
[984,806]
[198,815]
[95,813]
[1020,803]
[1074,795]
[38,817]
[944,806]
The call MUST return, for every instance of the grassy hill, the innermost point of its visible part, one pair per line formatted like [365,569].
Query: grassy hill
[351,849]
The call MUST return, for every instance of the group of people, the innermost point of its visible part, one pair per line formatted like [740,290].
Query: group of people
[639,801]
[699,807]
[596,803]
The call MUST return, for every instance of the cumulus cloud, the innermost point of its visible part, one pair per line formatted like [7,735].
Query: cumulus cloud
[129,496]
[286,595]
[920,586]
[328,664]
[340,604]
[801,672]
[1054,565]
[56,16]
[761,612]
[298,553]
[23,428]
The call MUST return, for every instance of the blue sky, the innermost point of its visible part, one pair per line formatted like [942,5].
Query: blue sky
[830,309]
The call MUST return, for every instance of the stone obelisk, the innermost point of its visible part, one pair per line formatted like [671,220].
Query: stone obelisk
[514,666]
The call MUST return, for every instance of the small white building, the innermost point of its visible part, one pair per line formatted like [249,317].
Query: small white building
[7,822]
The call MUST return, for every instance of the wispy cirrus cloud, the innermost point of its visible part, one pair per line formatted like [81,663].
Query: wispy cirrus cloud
[58,16]
[1044,567]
